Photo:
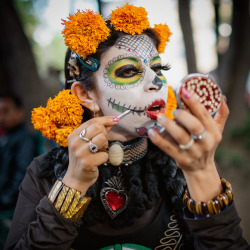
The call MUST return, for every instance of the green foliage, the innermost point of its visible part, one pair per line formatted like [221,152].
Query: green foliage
[51,55]
[227,157]
[58,50]
[27,16]
[220,154]
[236,160]
[243,132]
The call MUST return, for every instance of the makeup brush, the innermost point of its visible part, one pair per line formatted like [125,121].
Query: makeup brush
[124,114]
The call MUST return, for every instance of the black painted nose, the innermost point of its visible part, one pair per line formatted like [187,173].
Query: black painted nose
[157,81]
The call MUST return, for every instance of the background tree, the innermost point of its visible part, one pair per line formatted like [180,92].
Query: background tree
[186,27]
[18,70]
[233,64]
[233,55]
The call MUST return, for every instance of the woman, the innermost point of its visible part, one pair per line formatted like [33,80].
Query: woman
[136,187]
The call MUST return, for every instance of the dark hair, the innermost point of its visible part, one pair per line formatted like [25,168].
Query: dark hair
[86,74]
[15,98]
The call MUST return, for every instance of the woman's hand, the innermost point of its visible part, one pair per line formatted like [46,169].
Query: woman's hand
[197,161]
[83,164]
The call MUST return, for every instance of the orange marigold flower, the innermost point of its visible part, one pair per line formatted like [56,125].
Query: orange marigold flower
[62,135]
[48,128]
[163,32]
[65,108]
[62,115]
[37,117]
[171,103]
[84,32]
[130,19]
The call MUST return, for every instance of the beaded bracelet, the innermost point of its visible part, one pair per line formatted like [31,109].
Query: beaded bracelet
[214,206]
[68,201]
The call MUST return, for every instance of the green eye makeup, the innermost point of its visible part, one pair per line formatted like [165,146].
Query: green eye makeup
[155,64]
[125,71]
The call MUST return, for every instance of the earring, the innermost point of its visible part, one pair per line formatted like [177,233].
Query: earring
[93,108]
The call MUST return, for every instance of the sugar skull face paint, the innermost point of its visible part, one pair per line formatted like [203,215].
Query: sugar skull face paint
[131,79]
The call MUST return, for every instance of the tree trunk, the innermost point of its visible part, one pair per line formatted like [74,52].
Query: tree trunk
[186,26]
[217,21]
[18,72]
[100,6]
[234,65]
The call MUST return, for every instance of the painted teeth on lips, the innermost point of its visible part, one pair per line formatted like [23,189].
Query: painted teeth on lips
[155,108]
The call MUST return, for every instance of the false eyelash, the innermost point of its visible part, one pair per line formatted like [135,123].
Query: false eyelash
[166,67]
[162,67]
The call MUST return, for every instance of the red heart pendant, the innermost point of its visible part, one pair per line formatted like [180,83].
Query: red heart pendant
[114,197]
[115,200]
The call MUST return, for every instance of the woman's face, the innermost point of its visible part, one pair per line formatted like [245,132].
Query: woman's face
[130,78]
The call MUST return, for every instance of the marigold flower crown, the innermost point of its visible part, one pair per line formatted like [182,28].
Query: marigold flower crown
[83,33]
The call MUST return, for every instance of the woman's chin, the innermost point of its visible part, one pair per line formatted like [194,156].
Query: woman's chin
[127,131]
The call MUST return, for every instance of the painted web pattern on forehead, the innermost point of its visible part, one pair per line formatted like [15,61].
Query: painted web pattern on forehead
[141,46]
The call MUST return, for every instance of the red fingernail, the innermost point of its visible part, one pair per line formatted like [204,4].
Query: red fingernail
[185,93]
[116,119]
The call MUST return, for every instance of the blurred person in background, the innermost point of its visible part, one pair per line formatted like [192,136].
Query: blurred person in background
[17,149]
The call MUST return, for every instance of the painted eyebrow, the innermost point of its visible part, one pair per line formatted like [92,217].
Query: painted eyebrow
[128,58]
[155,58]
